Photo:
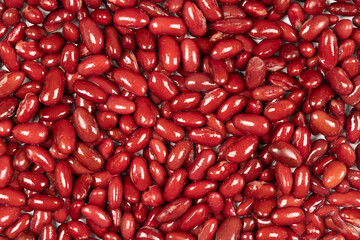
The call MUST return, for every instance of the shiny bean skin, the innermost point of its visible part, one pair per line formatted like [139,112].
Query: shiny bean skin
[53,89]
[130,81]
[325,123]
[91,34]
[242,149]
[41,157]
[33,181]
[287,216]
[313,27]
[10,82]
[195,216]
[64,136]
[85,125]
[93,65]
[96,214]
[230,228]
[9,215]
[251,124]
[6,170]
[285,153]
[88,157]
[166,25]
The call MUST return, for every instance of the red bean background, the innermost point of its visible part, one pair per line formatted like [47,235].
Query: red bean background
[179,119]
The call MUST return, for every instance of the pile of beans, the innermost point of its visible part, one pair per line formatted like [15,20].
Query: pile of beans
[179,119]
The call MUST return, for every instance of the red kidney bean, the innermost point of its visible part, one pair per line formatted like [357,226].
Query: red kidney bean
[40,156]
[242,149]
[167,25]
[9,215]
[85,125]
[230,106]
[194,19]
[284,178]
[212,100]
[210,9]
[45,203]
[139,174]
[265,29]
[328,50]
[346,154]
[70,32]
[313,27]
[54,113]
[162,86]
[259,190]
[138,140]
[334,173]
[53,89]
[268,47]
[255,73]
[173,210]
[232,185]
[64,136]
[27,108]
[263,208]
[96,214]
[169,53]
[199,189]
[33,181]
[190,55]
[19,226]
[51,43]
[226,48]
[279,109]
[93,65]
[209,229]
[120,105]
[343,9]
[271,232]
[91,34]
[6,170]
[12,197]
[251,124]
[88,157]
[285,153]
[8,56]
[33,70]
[325,123]
[39,219]
[168,130]
[348,199]
[320,96]
[178,154]
[232,25]
[131,81]
[175,183]
[287,216]
[10,82]
[230,228]
[8,107]
[257,10]
[301,182]
[339,81]
[63,179]
[78,229]
[130,17]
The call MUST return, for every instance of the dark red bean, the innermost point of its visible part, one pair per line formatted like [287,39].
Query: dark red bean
[91,34]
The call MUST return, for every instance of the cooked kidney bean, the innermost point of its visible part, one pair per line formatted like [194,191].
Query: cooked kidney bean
[206,119]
